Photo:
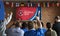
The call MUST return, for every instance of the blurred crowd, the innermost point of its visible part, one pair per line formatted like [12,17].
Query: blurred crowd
[34,28]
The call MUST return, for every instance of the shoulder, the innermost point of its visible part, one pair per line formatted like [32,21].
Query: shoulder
[26,33]
[53,31]
[21,30]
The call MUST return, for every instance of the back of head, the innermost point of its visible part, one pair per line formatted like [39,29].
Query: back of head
[57,18]
[35,24]
[24,25]
[17,24]
[30,25]
[48,24]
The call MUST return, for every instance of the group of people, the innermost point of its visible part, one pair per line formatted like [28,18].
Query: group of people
[34,28]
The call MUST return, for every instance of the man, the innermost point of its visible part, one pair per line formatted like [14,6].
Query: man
[31,29]
[24,26]
[16,31]
[49,31]
[43,28]
[9,31]
[5,22]
[56,25]
[39,31]
[35,26]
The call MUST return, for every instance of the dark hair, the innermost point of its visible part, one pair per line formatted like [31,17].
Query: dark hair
[35,22]
[17,24]
[30,25]
[24,25]
[42,24]
[56,17]
[48,24]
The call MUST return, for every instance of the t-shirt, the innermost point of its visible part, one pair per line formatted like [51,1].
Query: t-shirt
[15,32]
[50,33]
[56,27]
[25,30]
[30,33]
[40,32]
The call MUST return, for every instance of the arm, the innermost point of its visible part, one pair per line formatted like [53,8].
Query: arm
[39,25]
[38,22]
[6,21]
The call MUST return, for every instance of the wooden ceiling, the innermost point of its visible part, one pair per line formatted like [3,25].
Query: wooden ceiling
[32,0]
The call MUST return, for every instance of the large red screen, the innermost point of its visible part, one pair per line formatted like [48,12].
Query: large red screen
[25,13]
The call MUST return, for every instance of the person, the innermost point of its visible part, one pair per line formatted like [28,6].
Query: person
[24,26]
[31,29]
[35,26]
[16,31]
[43,28]
[50,31]
[9,31]
[4,23]
[56,25]
[20,22]
[39,31]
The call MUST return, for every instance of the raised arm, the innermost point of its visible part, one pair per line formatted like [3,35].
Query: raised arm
[6,21]
[38,22]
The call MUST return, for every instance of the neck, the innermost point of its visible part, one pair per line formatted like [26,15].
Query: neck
[32,29]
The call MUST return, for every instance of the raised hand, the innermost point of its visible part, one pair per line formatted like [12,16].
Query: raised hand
[37,18]
[38,22]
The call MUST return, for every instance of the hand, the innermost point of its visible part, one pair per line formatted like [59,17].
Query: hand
[8,14]
[11,13]
[37,18]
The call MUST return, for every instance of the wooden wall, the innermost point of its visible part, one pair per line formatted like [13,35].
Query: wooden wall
[48,14]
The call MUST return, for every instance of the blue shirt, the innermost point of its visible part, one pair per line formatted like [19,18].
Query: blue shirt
[25,30]
[40,32]
[44,29]
[30,33]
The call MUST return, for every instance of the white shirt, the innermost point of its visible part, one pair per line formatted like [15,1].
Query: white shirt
[6,21]
[18,32]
